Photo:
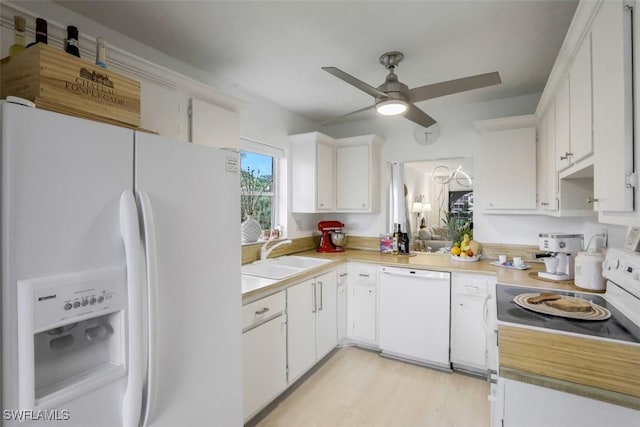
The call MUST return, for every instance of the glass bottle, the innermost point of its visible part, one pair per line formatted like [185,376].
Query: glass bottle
[101,53]
[71,45]
[18,37]
[41,32]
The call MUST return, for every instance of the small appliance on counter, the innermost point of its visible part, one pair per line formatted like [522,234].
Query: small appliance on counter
[333,236]
[562,247]
[588,273]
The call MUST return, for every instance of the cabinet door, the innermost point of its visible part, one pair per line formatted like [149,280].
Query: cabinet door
[551,173]
[264,355]
[342,302]
[362,313]
[563,129]
[507,164]
[468,341]
[612,108]
[580,103]
[301,327]
[325,177]
[353,178]
[326,314]
[214,125]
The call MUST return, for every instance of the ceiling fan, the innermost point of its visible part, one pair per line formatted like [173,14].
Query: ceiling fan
[394,97]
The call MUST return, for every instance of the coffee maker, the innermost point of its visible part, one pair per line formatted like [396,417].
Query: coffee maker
[561,249]
[333,236]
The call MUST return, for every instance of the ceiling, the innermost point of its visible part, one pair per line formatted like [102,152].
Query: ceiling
[275,50]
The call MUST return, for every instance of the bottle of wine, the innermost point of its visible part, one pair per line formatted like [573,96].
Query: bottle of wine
[101,53]
[404,242]
[41,32]
[396,238]
[71,45]
[18,37]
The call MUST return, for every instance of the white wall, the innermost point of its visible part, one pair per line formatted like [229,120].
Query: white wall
[459,138]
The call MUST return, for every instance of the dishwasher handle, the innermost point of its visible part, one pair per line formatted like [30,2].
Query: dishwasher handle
[409,272]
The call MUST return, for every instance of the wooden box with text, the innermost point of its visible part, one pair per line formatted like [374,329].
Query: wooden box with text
[58,81]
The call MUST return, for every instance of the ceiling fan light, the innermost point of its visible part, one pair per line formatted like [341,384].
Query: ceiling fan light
[391,107]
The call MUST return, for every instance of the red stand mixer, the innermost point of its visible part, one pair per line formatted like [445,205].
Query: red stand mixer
[333,236]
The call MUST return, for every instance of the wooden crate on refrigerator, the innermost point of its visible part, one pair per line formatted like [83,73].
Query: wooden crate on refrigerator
[58,81]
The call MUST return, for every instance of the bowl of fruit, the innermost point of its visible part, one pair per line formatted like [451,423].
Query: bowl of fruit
[466,250]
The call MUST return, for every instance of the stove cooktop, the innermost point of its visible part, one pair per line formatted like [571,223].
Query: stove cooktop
[617,327]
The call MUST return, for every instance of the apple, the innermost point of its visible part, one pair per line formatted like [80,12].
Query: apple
[469,252]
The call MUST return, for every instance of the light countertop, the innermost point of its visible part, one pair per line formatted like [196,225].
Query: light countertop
[256,288]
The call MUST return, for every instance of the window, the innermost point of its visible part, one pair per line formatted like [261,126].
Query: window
[263,183]
[257,186]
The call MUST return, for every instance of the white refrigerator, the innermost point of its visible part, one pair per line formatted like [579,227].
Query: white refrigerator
[121,295]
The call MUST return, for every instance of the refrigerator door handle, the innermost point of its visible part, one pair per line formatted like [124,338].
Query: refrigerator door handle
[149,236]
[137,358]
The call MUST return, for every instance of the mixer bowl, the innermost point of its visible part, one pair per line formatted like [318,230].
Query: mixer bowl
[338,238]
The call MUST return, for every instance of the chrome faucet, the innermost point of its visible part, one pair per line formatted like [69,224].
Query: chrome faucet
[264,252]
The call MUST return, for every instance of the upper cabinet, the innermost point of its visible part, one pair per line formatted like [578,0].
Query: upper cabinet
[312,172]
[334,175]
[591,90]
[213,125]
[505,165]
[612,108]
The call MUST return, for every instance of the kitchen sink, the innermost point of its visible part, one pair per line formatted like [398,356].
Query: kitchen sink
[282,267]
[302,262]
[269,270]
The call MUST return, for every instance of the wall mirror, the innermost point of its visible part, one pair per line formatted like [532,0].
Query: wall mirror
[438,192]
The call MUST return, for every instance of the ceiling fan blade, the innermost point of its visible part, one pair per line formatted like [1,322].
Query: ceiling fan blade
[337,119]
[348,78]
[418,116]
[450,87]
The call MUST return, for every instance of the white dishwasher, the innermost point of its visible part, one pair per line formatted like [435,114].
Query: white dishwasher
[414,315]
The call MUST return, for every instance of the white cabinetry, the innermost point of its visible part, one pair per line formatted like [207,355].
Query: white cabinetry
[334,175]
[362,289]
[580,103]
[264,352]
[560,409]
[312,173]
[546,169]
[563,129]
[341,304]
[505,165]
[612,108]
[311,322]
[213,125]
[357,165]
[469,295]
[414,315]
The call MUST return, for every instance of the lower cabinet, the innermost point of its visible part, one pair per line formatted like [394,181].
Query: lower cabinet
[362,316]
[530,405]
[264,352]
[311,322]
[468,334]
[342,302]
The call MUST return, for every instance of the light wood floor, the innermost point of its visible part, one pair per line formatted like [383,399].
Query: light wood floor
[356,387]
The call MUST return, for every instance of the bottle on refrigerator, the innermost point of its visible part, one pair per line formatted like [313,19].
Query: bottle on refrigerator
[71,44]
[101,52]
[41,32]
[18,36]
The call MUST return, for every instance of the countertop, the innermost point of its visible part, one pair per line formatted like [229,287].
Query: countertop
[255,289]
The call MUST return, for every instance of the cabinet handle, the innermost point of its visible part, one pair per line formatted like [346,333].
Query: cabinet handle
[566,156]
[315,299]
[363,275]
[591,200]
[544,204]
[343,275]
[321,303]
[263,311]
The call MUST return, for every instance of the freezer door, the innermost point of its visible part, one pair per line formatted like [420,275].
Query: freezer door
[61,183]
[191,206]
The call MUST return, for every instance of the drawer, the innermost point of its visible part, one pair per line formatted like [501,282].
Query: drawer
[263,309]
[362,274]
[469,284]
